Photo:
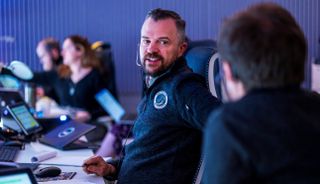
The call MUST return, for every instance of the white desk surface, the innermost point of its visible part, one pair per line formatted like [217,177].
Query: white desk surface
[72,157]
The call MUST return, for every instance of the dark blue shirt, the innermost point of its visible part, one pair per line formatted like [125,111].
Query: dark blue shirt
[168,131]
[269,136]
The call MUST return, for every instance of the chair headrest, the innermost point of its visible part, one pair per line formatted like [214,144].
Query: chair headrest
[204,60]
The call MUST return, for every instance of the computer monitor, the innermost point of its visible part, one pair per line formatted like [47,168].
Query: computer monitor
[17,176]
[24,118]
[10,82]
[114,108]
[110,104]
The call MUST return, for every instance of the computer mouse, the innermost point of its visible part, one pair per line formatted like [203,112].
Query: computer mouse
[50,171]
[13,143]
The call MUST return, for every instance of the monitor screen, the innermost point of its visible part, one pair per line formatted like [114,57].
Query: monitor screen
[15,179]
[17,176]
[24,118]
[7,81]
[110,104]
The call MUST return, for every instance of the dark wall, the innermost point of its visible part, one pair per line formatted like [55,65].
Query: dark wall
[24,22]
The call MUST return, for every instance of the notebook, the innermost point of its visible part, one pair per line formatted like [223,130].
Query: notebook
[17,176]
[65,136]
[113,107]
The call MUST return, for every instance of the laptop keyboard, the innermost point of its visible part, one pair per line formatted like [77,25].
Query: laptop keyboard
[8,153]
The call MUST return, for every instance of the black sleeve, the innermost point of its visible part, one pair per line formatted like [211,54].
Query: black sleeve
[117,164]
[44,78]
[6,71]
[195,102]
[224,152]
[41,78]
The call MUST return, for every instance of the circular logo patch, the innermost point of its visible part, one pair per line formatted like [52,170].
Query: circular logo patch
[160,100]
[66,132]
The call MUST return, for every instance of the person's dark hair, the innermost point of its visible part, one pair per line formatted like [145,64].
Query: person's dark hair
[264,46]
[52,44]
[88,60]
[160,14]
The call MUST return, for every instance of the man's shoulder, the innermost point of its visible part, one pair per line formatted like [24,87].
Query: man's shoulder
[188,76]
[231,115]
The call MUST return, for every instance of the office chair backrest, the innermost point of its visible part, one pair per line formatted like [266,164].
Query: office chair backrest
[104,54]
[202,58]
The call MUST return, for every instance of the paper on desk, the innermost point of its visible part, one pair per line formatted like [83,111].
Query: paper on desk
[44,155]
[67,182]
[66,160]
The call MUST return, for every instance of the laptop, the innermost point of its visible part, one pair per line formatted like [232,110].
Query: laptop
[17,176]
[24,118]
[65,137]
[61,137]
[114,108]
[9,97]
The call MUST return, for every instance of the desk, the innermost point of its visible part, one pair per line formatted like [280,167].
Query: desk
[63,157]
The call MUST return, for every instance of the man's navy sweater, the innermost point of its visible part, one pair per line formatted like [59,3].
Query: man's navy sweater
[168,130]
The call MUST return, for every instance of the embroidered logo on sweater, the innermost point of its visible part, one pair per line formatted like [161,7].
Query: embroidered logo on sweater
[160,100]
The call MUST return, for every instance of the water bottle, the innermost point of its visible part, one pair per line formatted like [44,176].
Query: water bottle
[30,94]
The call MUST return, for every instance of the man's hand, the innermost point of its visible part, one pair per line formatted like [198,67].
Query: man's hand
[96,165]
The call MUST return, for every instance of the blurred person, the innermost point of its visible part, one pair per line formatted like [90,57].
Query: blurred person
[49,53]
[168,130]
[270,132]
[76,81]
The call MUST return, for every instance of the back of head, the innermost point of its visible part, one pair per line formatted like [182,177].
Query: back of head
[161,14]
[264,46]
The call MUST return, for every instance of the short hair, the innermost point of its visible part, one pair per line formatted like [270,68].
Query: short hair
[264,46]
[161,14]
[50,44]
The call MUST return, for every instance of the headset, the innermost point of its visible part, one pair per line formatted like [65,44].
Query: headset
[138,62]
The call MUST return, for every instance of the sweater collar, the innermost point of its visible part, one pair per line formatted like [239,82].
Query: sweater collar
[175,66]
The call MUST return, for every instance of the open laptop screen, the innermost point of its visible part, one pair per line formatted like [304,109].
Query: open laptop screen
[17,176]
[24,118]
[110,104]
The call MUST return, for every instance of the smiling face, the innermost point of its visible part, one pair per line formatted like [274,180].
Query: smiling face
[160,45]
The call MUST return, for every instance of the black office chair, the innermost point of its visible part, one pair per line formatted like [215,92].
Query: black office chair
[104,54]
[202,57]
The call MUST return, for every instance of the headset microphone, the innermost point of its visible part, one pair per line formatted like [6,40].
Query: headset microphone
[138,62]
